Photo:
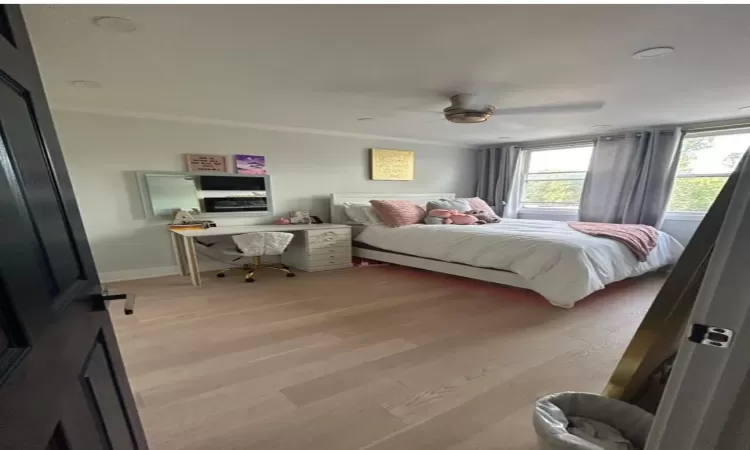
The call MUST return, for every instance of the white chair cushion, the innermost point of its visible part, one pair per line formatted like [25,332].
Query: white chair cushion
[262,243]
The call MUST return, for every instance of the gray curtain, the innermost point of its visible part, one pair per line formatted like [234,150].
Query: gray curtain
[630,178]
[495,169]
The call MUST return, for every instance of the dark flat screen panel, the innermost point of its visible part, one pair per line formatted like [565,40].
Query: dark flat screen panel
[219,183]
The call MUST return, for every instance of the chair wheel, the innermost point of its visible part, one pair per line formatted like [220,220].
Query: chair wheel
[249,280]
[221,275]
[290,275]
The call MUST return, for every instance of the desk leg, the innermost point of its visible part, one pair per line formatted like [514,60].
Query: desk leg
[179,253]
[192,260]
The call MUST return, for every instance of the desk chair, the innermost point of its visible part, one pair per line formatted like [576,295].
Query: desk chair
[256,245]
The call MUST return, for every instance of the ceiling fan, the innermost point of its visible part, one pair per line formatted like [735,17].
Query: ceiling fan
[464,108]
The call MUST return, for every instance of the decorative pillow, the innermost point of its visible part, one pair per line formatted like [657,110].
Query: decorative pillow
[361,214]
[459,204]
[397,213]
[478,203]
[373,216]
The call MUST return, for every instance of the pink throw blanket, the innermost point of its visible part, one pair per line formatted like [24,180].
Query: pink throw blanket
[640,239]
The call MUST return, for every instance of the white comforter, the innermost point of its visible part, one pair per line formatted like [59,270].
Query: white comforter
[561,264]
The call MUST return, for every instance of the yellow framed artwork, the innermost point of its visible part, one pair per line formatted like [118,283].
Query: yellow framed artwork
[392,165]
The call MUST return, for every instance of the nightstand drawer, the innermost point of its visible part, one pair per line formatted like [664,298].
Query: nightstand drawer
[340,247]
[327,242]
[327,265]
[318,237]
[329,232]
[340,257]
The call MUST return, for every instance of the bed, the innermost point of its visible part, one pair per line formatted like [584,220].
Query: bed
[548,257]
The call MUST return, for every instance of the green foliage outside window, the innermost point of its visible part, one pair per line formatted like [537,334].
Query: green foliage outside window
[698,193]
[695,194]
[553,191]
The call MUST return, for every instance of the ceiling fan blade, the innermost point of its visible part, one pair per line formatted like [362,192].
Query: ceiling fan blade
[562,108]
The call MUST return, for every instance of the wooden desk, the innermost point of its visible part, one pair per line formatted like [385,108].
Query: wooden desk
[315,247]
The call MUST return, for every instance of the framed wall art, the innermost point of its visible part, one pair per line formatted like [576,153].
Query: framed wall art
[250,164]
[206,163]
[392,165]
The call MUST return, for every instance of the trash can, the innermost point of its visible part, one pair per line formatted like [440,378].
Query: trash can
[584,421]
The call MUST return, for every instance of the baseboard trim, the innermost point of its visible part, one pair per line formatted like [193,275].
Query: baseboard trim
[154,272]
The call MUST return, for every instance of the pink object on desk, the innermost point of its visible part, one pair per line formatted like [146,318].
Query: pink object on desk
[283,221]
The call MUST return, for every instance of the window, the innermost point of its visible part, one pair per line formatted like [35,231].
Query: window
[553,178]
[706,160]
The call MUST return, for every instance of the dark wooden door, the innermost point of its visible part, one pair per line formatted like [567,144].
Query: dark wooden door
[62,380]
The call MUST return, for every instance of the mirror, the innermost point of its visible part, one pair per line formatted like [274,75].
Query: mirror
[170,192]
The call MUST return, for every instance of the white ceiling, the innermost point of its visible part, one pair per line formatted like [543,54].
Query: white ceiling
[322,67]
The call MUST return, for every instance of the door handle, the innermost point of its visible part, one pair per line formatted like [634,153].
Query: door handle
[129,305]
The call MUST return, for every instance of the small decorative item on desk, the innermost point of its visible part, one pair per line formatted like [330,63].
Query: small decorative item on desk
[283,221]
[182,217]
[184,220]
[300,217]
[250,164]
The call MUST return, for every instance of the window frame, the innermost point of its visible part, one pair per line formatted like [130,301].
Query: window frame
[524,160]
[692,216]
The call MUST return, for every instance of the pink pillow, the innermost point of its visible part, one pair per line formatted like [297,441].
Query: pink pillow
[479,204]
[397,213]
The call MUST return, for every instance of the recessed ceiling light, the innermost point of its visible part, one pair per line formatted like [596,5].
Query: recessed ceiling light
[115,24]
[90,84]
[653,52]
[504,137]
[745,109]
[362,119]
[602,126]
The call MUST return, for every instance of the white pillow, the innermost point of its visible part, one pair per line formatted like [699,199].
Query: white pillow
[363,214]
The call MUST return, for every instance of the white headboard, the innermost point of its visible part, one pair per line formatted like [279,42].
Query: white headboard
[337,201]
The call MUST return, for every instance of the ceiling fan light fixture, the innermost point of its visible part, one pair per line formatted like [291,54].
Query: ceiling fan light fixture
[464,115]
[461,110]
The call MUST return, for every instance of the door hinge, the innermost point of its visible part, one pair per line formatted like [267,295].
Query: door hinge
[710,335]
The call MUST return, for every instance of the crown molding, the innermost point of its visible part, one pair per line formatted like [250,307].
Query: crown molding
[253,125]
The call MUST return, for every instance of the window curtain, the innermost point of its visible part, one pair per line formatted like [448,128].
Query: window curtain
[630,178]
[495,172]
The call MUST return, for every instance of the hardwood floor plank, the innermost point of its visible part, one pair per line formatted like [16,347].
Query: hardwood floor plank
[354,351]
[469,382]
[373,358]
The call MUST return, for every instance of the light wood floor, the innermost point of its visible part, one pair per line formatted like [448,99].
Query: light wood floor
[362,358]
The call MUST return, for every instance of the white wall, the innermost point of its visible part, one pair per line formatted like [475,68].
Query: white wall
[103,152]
[681,229]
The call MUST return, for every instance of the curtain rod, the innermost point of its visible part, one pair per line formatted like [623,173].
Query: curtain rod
[698,129]
[563,144]
[686,127]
